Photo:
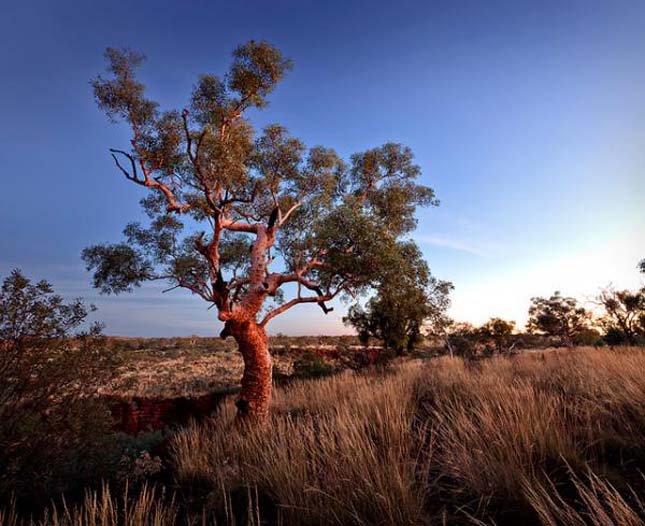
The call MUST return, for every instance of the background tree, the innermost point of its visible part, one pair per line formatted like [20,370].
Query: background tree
[53,432]
[223,206]
[461,339]
[641,266]
[407,296]
[624,315]
[497,333]
[558,316]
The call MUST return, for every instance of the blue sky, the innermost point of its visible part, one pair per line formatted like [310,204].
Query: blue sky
[528,119]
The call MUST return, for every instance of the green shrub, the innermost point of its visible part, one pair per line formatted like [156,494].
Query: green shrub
[587,336]
[54,431]
[312,365]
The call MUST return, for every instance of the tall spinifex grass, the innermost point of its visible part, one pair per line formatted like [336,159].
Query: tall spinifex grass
[600,504]
[447,440]
[338,451]
[507,423]
[101,508]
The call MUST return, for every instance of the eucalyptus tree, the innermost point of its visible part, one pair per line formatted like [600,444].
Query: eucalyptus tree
[624,317]
[407,298]
[558,316]
[236,218]
[499,333]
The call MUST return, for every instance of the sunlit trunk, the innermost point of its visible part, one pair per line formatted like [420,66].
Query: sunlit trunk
[255,394]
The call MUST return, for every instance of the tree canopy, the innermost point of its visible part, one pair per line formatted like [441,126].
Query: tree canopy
[407,297]
[225,202]
[558,316]
[624,316]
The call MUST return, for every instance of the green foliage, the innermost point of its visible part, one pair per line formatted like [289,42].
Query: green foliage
[614,336]
[588,337]
[407,296]
[462,340]
[122,97]
[497,333]
[385,178]
[558,316]
[256,69]
[312,365]
[54,434]
[133,463]
[117,268]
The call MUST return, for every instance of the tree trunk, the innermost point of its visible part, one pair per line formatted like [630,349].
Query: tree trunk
[255,394]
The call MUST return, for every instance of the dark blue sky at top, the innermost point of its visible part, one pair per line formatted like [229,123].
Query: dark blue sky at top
[528,119]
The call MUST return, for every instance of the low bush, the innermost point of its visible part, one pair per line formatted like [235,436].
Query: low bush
[311,365]
[55,434]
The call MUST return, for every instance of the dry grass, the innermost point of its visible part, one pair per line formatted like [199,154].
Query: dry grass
[148,508]
[337,451]
[515,424]
[552,439]
[445,441]
[181,373]
[176,368]
[602,504]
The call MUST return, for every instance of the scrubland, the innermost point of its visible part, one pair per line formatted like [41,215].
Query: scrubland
[170,367]
[543,439]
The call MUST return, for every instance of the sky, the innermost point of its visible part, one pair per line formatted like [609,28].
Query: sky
[527,118]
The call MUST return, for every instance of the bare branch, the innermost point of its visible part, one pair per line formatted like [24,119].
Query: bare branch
[320,300]
[284,218]
[131,176]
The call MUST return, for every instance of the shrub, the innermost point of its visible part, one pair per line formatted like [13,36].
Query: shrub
[312,365]
[587,337]
[54,433]
[462,340]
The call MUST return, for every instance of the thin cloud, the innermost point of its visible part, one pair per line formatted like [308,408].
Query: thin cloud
[456,244]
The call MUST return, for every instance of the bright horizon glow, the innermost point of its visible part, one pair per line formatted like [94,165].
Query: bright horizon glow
[580,275]
[527,119]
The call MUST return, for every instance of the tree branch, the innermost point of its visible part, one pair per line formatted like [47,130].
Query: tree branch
[284,218]
[131,176]
[236,226]
[320,299]
[194,159]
